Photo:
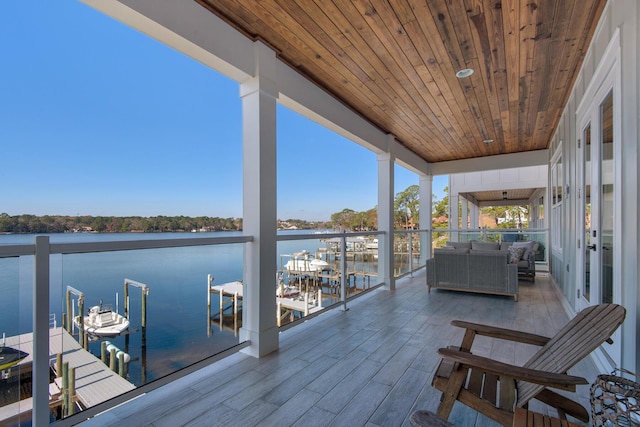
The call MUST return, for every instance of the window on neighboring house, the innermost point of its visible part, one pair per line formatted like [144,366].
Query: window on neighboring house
[557,195]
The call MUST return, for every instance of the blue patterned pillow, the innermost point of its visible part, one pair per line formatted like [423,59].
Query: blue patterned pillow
[515,254]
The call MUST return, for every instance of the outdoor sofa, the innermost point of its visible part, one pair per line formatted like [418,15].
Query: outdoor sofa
[526,263]
[482,267]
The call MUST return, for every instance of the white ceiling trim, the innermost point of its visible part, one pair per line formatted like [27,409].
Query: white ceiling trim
[189,28]
[502,161]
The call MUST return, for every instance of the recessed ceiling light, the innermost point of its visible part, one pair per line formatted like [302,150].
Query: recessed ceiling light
[465,72]
[487,141]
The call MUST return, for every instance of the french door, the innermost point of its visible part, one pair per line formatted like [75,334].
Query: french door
[597,204]
[598,200]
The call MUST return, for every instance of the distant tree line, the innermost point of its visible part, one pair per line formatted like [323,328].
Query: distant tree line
[406,216]
[32,224]
[113,224]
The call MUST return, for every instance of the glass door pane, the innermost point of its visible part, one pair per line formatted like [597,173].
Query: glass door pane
[607,199]
[586,290]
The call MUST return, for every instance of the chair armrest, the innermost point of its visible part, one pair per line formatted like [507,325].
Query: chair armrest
[502,333]
[532,260]
[544,378]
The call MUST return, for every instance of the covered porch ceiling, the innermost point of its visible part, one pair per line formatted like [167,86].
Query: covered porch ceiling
[518,196]
[394,62]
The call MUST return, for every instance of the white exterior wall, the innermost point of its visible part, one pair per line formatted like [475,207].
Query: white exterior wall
[514,178]
[623,15]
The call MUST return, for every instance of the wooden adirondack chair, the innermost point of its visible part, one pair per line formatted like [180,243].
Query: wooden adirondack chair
[495,389]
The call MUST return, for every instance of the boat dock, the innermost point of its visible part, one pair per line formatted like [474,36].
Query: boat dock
[231,294]
[94,381]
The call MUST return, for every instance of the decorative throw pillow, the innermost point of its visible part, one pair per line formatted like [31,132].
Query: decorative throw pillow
[515,254]
[527,245]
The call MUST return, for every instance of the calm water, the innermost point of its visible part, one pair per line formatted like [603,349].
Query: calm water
[178,332]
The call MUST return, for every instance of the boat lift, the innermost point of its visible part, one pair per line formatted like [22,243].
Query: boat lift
[145,292]
[68,317]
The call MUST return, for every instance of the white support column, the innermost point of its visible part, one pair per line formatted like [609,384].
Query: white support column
[426,207]
[453,216]
[475,216]
[259,205]
[465,214]
[385,219]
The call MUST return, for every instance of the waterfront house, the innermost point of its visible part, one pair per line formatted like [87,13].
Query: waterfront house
[439,87]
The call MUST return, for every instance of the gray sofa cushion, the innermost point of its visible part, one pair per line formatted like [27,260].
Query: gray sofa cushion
[485,246]
[505,245]
[460,245]
[486,252]
[451,249]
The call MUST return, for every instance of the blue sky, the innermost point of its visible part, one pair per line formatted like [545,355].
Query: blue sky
[98,119]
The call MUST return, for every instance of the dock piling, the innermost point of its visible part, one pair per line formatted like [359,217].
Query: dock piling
[71,392]
[65,387]
[112,358]
[121,364]
[58,365]
[103,351]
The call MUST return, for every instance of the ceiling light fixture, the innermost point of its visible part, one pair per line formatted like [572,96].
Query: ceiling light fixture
[465,72]
[487,141]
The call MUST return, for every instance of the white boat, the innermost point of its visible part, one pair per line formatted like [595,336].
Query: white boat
[303,262]
[103,321]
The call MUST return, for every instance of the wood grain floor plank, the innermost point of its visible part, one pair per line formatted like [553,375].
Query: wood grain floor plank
[343,393]
[315,417]
[296,383]
[395,408]
[265,385]
[292,410]
[336,373]
[396,367]
[363,405]
[252,414]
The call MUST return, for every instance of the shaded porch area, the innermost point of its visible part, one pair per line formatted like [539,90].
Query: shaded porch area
[371,365]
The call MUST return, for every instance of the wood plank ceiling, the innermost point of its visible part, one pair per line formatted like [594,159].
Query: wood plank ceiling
[395,62]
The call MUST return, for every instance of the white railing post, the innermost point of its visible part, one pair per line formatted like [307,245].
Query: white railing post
[40,382]
[343,271]
[410,254]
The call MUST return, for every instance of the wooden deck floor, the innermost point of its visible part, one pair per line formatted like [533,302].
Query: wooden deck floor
[369,366]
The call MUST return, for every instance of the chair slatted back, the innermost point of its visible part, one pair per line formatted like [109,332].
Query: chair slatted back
[584,333]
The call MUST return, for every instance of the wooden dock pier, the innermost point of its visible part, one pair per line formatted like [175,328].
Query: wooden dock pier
[94,381]
[231,294]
